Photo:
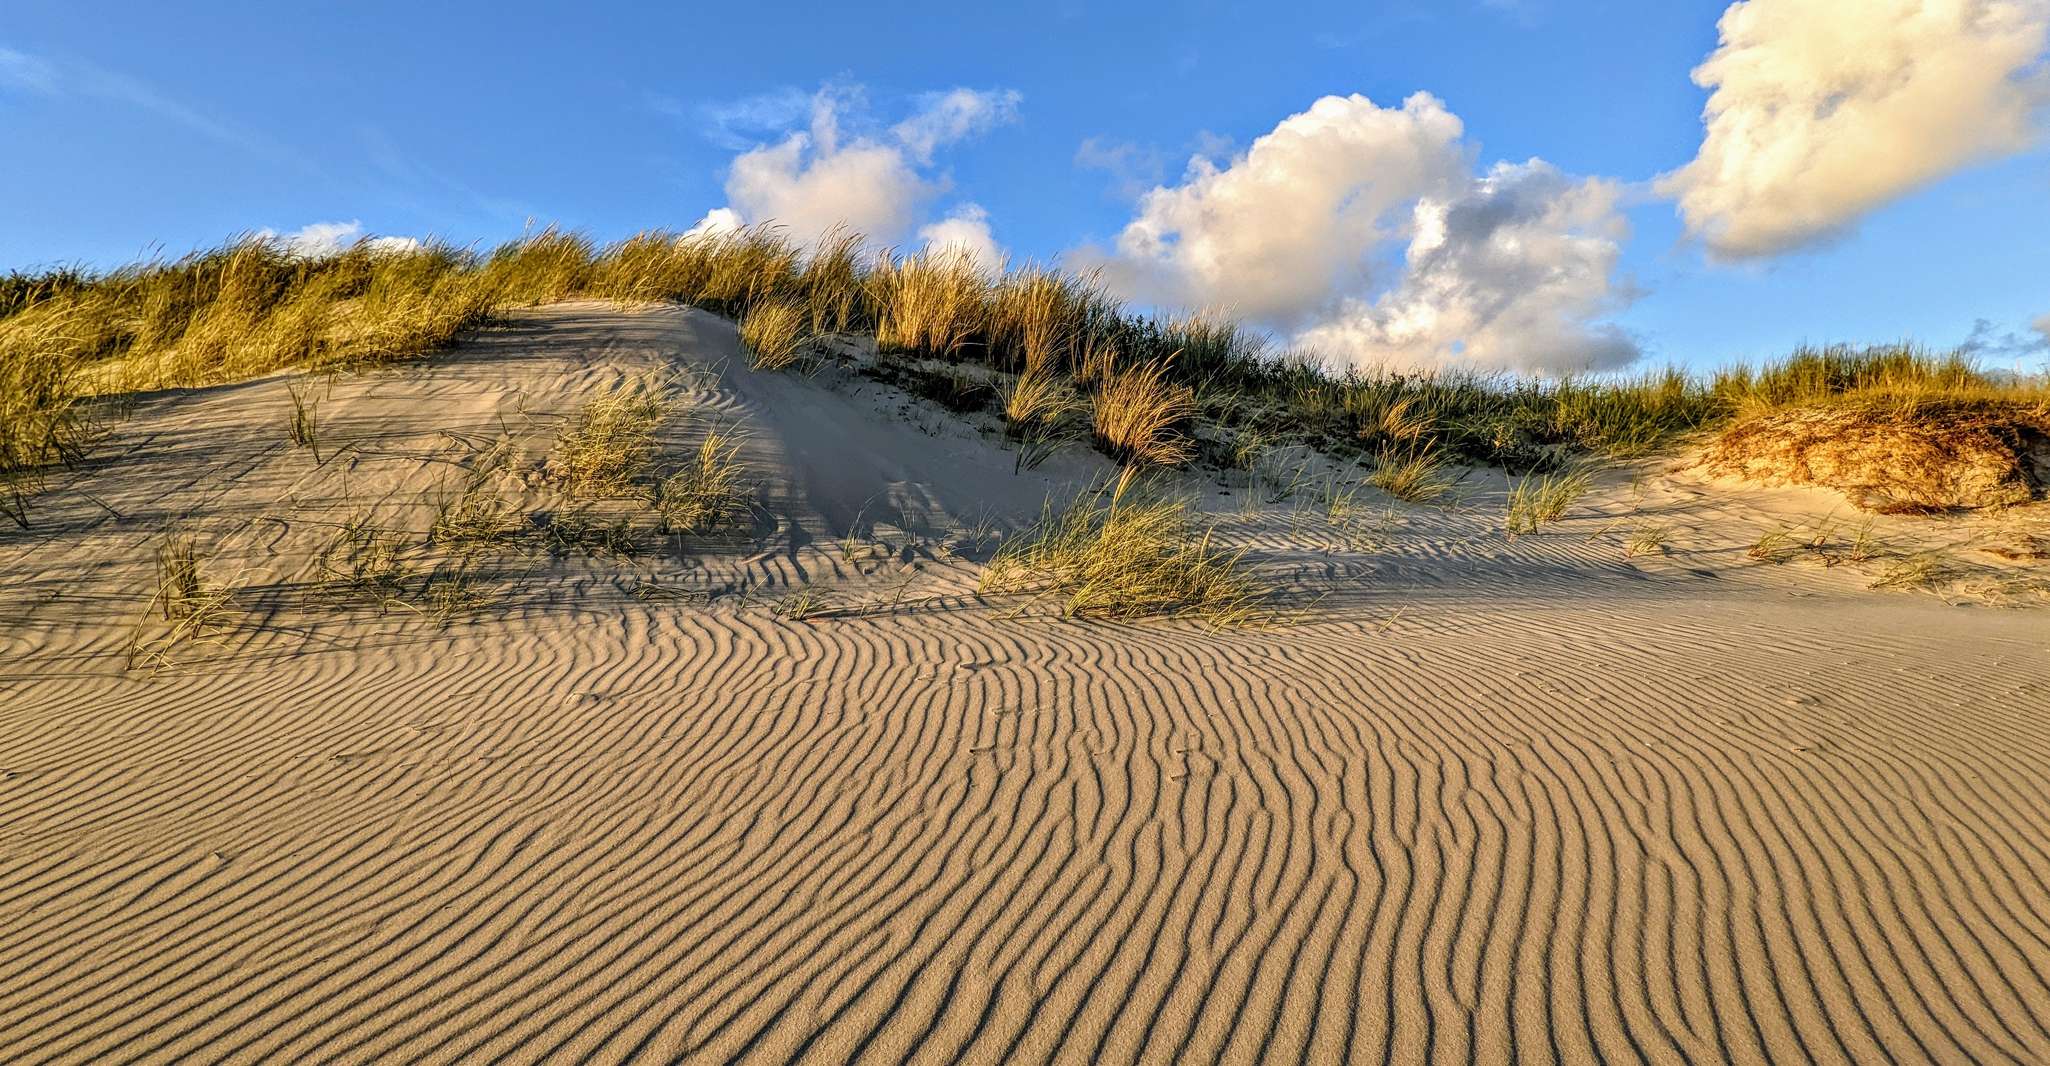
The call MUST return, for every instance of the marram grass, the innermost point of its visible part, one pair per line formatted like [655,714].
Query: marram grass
[70,338]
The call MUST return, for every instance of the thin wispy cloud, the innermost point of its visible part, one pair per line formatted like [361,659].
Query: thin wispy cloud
[22,72]
[1132,168]
[742,123]
[1993,344]
[48,77]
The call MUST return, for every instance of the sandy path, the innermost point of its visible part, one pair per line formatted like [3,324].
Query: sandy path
[1592,816]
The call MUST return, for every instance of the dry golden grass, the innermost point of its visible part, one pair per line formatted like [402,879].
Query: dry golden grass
[1898,455]
[1416,475]
[773,332]
[186,608]
[302,422]
[1038,408]
[364,562]
[707,492]
[931,304]
[476,521]
[1540,500]
[549,265]
[1037,317]
[1135,415]
[831,284]
[607,449]
[1647,540]
[1114,554]
[253,307]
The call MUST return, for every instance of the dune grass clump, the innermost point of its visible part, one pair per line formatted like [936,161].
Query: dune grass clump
[607,449]
[830,285]
[1038,318]
[248,308]
[43,418]
[1418,475]
[707,492]
[1812,376]
[931,305]
[302,422]
[191,607]
[364,561]
[1136,413]
[474,522]
[1115,554]
[550,265]
[773,333]
[1540,500]
[1647,540]
[1037,411]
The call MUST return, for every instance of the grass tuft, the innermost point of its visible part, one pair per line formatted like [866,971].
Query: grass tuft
[1418,475]
[1136,414]
[774,332]
[1540,500]
[706,492]
[1037,411]
[1112,554]
[608,447]
[193,608]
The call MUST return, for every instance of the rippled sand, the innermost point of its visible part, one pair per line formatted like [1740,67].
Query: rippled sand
[1483,801]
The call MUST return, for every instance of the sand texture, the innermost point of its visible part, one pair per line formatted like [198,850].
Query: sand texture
[1480,799]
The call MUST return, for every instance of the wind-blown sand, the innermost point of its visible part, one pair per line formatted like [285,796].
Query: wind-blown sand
[1487,800]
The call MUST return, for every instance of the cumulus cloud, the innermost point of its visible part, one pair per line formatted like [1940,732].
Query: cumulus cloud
[1507,274]
[965,231]
[1822,110]
[1362,231]
[837,172]
[321,239]
[1283,230]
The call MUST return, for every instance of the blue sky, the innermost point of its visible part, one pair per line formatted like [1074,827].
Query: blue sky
[135,128]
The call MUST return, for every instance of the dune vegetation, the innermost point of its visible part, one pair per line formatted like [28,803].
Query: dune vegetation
[1061,358]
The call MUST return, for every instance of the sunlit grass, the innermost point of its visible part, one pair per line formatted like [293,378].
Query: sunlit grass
[1118,553]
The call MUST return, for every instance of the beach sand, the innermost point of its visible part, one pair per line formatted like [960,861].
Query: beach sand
[1472,799]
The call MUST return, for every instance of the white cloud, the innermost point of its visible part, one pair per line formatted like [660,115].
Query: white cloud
[840,172]
[1509,274]
[717,220]
[1283,230]
[321,239]
[1504,270]
[1821,110]
[965,231]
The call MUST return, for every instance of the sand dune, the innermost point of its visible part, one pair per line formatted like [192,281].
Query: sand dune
[1488,801]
